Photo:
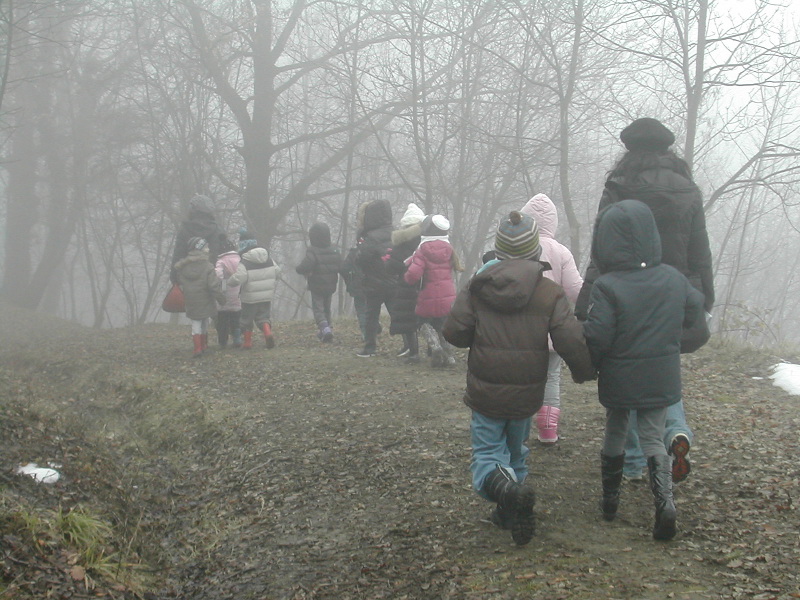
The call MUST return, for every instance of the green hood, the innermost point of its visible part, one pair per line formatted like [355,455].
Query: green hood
[626,238]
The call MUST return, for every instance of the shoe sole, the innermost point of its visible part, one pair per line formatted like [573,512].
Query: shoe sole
[680,463]
[523,522]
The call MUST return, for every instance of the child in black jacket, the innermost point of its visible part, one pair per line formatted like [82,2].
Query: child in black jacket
[321,267]
[638,308]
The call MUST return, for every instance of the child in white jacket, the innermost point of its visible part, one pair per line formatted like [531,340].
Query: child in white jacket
[257,275]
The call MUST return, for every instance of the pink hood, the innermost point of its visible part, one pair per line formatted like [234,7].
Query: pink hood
[225,267]
[563,269]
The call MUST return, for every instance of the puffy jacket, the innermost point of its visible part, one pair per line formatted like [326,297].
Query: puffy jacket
[322,262]
[375,225]
[201,288]
[404,303]
[677,205]
[352,274]
[504,316]
[637,310]
[432,264]
[257,276]
[562,264]
[227,263]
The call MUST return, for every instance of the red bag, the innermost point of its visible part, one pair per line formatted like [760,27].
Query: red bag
[174,301]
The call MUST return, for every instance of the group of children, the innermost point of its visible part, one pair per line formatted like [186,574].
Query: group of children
[516,317]
[237,290]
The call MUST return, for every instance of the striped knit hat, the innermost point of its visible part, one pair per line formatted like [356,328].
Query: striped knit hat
[517,237]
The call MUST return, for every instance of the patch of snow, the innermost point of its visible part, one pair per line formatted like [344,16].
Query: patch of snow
[787,377]
[40,474]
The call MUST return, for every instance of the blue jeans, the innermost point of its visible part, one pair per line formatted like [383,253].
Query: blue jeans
[635,460]
[498,442]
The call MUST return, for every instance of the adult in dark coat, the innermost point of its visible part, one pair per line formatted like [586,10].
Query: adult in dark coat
[375,225]
[653,174]
[403,318]
[321,266]
[199,222]
[638,309]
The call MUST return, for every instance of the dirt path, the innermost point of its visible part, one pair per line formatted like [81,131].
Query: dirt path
[306,472]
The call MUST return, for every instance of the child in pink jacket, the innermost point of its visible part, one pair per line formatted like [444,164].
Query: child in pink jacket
[228,313]
[565,273]
[432,264]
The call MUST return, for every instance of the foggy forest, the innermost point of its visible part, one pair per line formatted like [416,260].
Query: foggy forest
[114,113]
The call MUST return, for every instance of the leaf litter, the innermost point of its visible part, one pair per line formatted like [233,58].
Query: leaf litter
[305,472]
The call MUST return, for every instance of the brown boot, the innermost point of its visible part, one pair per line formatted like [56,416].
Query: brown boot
[268,337]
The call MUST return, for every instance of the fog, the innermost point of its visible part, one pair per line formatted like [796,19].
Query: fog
[113,114]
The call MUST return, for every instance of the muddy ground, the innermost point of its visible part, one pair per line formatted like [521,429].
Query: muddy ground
[305,472]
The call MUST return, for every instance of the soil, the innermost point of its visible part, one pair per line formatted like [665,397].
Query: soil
[305,472]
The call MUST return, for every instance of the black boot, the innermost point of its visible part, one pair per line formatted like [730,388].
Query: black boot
[611,476]
[514,500]
[660,469]
[500,517]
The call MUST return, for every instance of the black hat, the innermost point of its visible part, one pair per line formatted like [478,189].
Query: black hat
[647,134]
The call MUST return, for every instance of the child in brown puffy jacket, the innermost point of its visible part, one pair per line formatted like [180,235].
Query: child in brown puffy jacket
[504,316]
[202,290]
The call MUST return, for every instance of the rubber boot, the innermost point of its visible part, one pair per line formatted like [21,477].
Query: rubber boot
[611,477]
[515,500]
[326,333]
[248,340]
[237,338]
[660,469]
[438,357]
[268,337]
[449,358]
[205,341]
[197,339]
[547,423]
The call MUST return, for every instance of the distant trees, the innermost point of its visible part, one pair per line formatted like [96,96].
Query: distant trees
[113,114]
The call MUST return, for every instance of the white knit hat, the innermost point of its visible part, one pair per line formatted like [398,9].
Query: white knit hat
[412,216]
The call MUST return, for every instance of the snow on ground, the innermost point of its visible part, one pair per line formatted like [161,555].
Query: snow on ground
[787,377]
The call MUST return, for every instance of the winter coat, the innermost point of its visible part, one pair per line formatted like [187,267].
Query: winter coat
[322,262]
[404,303]
[352,274]
[257,276]
[562,264]
[432,265]
[375,225]
[677,205]
[504,316]
[227,263]
[201,223]
[202,290]
[637,310]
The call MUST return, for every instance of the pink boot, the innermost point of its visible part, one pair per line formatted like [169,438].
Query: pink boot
[547,422]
